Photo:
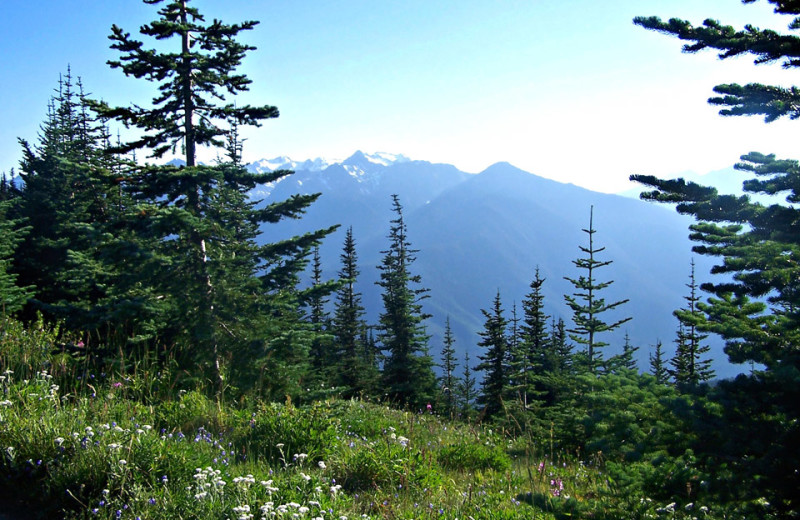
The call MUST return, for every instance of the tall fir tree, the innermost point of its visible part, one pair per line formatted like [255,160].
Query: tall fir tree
[12,295]
[561,348]
[516,355]
[66,187]
[448,377]
[626,359]
[539,359]
[316,300]
[353,368]
[407,376]
[467,391]
[690,365]
[587,306]
[559,378]
[658,364]
[230,299]
[495,362]
[754,307]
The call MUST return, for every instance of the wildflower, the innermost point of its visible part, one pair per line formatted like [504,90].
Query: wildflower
[122,462]
[305,477]
[59,441]
[321,465]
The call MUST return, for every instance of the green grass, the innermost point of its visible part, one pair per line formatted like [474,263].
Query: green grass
[99,454]
[74,444]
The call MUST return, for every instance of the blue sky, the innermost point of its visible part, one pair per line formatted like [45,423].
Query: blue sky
[569,90]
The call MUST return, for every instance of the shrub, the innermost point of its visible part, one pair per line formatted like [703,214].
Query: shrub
[278,432]
[473,457]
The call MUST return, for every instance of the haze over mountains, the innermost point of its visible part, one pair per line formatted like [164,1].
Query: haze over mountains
[480,233]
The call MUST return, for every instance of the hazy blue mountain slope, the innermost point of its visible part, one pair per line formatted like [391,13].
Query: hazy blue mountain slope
[480,233]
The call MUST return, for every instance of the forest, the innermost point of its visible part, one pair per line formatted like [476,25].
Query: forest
[160,359]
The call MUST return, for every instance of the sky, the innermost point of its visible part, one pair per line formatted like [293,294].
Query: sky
[567,89]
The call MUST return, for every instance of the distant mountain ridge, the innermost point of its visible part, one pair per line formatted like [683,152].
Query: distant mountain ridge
[480,233]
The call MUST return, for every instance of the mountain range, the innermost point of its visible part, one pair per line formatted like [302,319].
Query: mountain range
[478,234]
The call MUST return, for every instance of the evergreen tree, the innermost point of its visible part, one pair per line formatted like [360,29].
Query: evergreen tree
[449,364]
[317,300]
[516,356]
[321,357]
[230,299]
[586,304]
[466,389]
[66,187]
[756,311]
[754,307]
[626,359]
[355,370]
[407,376]
[540,357]
[495,362]
[560,347]
[558,380]
[12,296]
[689,366]
[658,365]
[8,188]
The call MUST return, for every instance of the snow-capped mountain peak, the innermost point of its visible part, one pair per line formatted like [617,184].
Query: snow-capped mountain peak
[286,163]
[378,158]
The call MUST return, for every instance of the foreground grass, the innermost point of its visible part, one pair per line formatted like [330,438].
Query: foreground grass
[98,453]
[74,444]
